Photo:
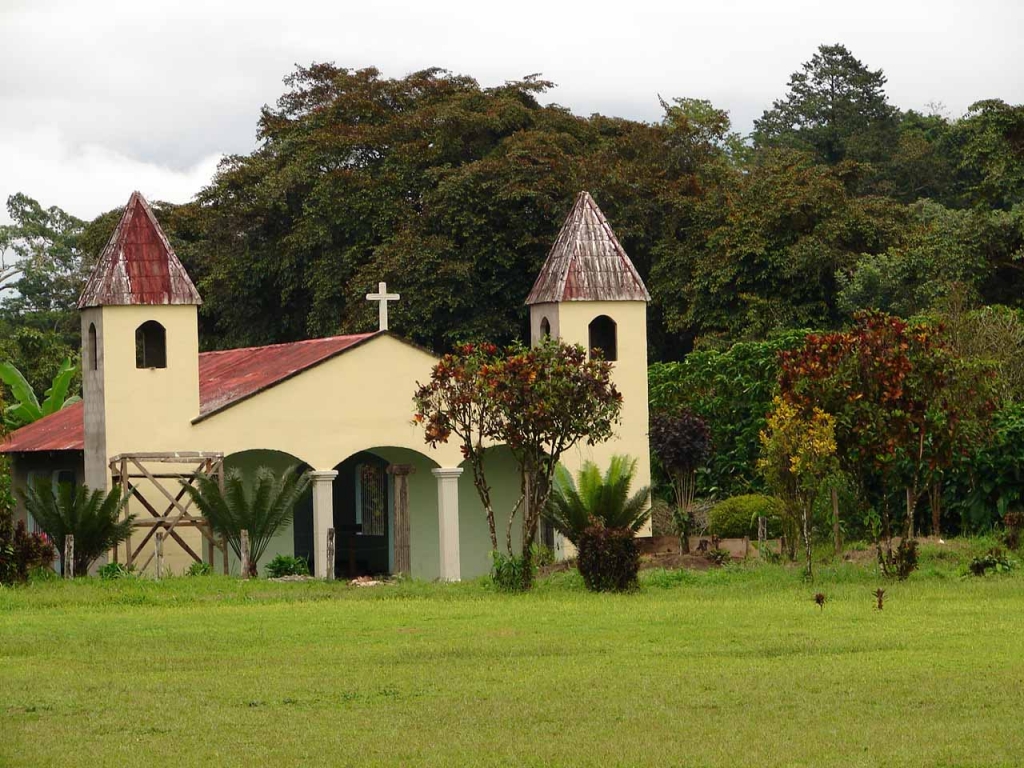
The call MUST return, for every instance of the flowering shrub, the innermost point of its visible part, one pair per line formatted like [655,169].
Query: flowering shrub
[21,552]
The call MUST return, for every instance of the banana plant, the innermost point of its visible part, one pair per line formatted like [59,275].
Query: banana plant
[27,408]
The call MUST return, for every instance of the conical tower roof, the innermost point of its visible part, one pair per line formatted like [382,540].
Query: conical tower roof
[138,265]
[587,262]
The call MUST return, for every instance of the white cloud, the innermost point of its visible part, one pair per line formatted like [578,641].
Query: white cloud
[87,179]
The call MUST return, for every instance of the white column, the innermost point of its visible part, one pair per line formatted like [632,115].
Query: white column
[323,517]
[448,521]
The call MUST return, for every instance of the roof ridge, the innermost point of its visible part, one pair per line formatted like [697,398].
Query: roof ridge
[289,343]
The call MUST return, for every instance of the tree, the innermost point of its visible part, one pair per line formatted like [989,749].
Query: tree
[770,261]
[682,443]
[732,391]
[574,505]
[836,108]
[798,455]
[262,505]
[539,402]
[48,263]
[93,517]
[904,408]
[27,408]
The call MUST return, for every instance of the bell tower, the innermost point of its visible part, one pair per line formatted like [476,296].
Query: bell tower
[589,293]
[140,339]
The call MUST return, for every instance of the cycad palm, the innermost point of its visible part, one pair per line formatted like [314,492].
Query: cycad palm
[262,509]
[606,497]
[92,517]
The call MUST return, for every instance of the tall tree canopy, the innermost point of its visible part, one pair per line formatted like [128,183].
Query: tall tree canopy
[452,193]
[836,108]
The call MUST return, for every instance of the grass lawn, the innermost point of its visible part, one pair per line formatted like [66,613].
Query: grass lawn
[730,667]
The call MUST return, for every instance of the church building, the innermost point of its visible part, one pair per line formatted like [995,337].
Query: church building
[156,411]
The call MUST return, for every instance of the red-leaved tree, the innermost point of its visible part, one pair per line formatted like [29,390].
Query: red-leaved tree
[539,402]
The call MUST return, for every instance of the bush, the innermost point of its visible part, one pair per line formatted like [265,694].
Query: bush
[285,565]
[905,560]
[608,559]
[22,552]
[93,517]
[116,571]
[199,569]
[736,517]
[994,561]
[508,572]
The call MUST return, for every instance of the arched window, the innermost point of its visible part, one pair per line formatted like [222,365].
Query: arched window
[150,345]
[602,336]
[91,355]
[545,328]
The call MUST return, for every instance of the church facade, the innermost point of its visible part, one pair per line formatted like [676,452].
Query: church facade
[155,409]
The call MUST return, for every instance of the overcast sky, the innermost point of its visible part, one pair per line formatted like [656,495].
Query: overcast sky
[102,97]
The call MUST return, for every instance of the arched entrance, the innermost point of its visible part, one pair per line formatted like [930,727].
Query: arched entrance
[374,534]
[364,511]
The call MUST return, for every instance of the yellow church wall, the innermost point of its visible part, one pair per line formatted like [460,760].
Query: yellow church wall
[360,399]
[572,320]
[145,409]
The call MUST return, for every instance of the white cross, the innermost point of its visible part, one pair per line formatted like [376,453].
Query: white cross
[383,297]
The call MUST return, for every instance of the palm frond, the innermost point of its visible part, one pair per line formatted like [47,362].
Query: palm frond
[595,496]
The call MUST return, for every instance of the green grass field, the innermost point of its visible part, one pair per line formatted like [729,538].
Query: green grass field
[732,667]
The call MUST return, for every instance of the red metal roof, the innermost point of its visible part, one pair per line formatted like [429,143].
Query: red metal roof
[138,265]
[60,431]
[225,378]
[235,374]
[587,262]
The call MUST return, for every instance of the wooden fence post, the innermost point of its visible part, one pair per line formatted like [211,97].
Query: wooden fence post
[69,557]
[159,547]
[762,535]
[245,554]
[330,554]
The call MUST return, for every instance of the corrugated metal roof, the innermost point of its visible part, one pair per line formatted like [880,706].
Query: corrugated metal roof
[225,378]
[60,431]
[138,265]
[587,262]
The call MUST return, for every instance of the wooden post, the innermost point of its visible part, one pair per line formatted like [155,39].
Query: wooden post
[159,546]
[762,535]
[69,557]
[210,547]
[245,554]
[125,493]
[330,554]
[403,558]
[836,534]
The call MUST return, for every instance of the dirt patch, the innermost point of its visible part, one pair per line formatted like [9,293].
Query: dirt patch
[675,561]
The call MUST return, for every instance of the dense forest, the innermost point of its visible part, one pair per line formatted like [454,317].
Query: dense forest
[452,193]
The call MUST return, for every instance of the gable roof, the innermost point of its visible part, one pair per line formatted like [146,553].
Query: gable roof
[587,262]
[138,265]
[228,377]
[225,379]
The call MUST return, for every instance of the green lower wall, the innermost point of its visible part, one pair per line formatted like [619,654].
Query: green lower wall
[248,462]
[474,536]
[424,541]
